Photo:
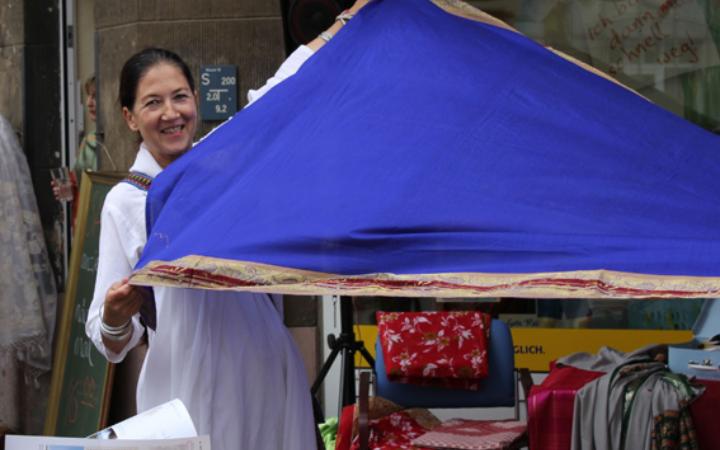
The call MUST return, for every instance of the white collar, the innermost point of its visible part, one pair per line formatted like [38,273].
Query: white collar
[145,163]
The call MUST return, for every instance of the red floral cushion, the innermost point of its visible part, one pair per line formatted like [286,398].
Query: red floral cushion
[443,348]
[472,434]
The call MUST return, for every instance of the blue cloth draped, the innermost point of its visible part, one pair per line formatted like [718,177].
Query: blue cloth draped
[419,142]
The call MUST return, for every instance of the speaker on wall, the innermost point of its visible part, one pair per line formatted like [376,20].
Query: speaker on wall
[306,19]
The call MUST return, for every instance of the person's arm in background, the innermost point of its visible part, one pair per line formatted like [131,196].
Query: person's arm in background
[286,70]
[319,41]
[297,58]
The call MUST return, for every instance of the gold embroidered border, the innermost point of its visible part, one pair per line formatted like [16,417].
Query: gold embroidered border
[219,274]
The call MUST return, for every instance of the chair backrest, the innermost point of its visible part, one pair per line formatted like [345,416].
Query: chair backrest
[498,389]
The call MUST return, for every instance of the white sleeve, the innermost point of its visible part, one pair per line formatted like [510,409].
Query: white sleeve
[117,249]
[286,70]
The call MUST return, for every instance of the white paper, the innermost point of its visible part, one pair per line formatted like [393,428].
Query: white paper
[169,420]
[58,443]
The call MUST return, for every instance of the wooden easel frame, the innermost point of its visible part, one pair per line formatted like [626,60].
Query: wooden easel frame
[89,181]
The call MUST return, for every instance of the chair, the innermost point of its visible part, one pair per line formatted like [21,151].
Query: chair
[498,389]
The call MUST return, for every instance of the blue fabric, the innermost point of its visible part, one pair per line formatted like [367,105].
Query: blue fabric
[420,142]
[498,389]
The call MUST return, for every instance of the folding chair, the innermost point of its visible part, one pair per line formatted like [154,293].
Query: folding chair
[498,389]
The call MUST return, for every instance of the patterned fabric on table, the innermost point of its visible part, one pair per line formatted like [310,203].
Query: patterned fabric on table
[392,432]
[472,434]
[447,348]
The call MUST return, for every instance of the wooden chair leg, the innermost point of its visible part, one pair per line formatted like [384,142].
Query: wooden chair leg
[363,401]
[526,381]
[3,432]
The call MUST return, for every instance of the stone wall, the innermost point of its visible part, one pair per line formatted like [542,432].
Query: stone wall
[246,33]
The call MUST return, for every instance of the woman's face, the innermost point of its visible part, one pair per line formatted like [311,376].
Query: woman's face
[165,112]
[90,103]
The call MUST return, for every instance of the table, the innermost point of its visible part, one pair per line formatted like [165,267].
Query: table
[550,410]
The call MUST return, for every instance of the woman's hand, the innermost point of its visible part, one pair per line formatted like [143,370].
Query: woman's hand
[122,301]
[55,189]
[64,190]
[319,41]
[358,6]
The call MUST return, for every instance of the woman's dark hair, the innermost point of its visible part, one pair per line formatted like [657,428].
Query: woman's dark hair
[137,66]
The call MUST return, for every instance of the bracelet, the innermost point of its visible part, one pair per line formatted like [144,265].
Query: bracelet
[325,36]
[109,328]
[112,332]
[115,337]
[344,17]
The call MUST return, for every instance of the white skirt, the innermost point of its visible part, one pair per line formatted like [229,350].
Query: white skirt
[233,363]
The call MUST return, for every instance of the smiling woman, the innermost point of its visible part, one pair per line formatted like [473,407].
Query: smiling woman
[163,109]
[207,349]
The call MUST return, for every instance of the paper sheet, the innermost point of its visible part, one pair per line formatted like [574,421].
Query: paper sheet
[169,420]
[58,443]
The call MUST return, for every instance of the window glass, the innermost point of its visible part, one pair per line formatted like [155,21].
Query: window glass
[667,50]
[675,314]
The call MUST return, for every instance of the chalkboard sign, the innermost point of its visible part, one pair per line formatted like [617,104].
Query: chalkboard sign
[82,377]
[218,92]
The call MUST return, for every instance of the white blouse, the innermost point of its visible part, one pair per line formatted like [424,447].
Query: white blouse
[122,239]
[227,355]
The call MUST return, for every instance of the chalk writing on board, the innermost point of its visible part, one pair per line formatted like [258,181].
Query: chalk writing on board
[83,394]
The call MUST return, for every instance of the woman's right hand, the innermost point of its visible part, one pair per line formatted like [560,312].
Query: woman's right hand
[122,301]
[55,189]
[319,41]
[65,192]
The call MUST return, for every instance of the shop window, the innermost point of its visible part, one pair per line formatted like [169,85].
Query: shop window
[667,51]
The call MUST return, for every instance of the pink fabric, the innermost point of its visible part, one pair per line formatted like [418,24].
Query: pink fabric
[472,434]
[550,410]
[706,415]
[446,348]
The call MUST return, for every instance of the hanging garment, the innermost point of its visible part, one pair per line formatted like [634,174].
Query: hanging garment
[638,404]
[27,288]
[423,153]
